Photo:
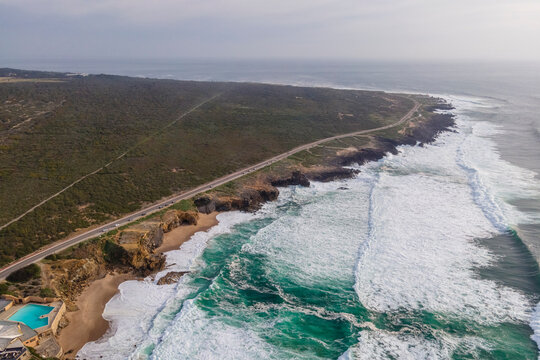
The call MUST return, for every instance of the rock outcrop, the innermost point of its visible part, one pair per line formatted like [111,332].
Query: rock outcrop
[420,133]
[148,234]
[175,218]
[138,242]
[171,278]
[71,276]
[250,198]
[296,178]
[332,173]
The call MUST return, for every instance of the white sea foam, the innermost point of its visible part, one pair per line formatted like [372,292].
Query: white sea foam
[141,310]
[130,313]
[495,182]
[196,336]
[378,344]
[427,207]
[403,231]
[318,244]
[382,345]
[424,260]
[420,251]
[535,325]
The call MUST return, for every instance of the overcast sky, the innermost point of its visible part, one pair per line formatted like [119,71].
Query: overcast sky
[349,29]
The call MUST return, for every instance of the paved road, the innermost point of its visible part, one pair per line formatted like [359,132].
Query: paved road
[64,244]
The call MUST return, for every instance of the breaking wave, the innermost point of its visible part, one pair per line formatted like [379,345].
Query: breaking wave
[380,266]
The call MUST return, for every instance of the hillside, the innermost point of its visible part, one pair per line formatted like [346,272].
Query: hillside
[158,137]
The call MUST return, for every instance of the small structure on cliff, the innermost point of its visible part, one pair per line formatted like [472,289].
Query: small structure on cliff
[21,327]
[14,337]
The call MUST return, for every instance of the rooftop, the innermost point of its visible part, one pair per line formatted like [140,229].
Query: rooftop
[4,303]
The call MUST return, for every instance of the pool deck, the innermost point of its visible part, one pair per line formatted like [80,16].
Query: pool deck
[52,316]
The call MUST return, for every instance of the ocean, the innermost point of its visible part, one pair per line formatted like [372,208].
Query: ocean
[428,254]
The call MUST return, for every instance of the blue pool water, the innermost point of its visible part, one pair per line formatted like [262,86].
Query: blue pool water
[31,315]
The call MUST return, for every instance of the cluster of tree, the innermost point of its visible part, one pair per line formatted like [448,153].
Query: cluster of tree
[25,274]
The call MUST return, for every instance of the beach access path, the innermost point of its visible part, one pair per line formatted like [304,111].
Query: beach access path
[92,233]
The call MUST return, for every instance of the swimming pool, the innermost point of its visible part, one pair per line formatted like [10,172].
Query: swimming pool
[30,314]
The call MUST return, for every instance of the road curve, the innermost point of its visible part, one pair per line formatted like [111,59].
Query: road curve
[64,244]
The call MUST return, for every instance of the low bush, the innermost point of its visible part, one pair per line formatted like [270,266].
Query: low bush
[25,274]
[47,292]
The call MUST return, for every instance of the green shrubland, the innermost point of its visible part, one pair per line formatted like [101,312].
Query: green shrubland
[60,131]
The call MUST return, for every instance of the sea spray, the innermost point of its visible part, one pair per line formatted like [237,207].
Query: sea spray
[134,311]
[382,265]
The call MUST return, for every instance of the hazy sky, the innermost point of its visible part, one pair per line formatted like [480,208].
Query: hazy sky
[352,29]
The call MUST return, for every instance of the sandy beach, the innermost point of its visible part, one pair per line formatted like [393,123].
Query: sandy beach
[87,323]
[174,239]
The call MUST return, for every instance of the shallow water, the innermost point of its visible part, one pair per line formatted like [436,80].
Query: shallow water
[418,258]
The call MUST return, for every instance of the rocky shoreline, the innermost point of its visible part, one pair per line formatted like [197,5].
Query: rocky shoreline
[134,250]
[137,244]
[265,189]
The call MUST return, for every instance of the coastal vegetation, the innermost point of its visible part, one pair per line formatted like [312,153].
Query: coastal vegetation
[158,137]
[135,150]
[25,274]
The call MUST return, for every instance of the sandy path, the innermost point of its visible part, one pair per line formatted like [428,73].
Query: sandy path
[109,163]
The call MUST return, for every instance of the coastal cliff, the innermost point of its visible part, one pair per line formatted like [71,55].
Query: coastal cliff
[249,199]
[135,249]
[131,250]
[252,193]
[136,245]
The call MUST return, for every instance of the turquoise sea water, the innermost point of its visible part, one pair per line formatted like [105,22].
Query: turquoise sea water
[428,254]
[30,314]
[415,258]
[322,319]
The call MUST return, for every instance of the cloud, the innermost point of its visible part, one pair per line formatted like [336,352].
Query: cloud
[276,28]
[174,10]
